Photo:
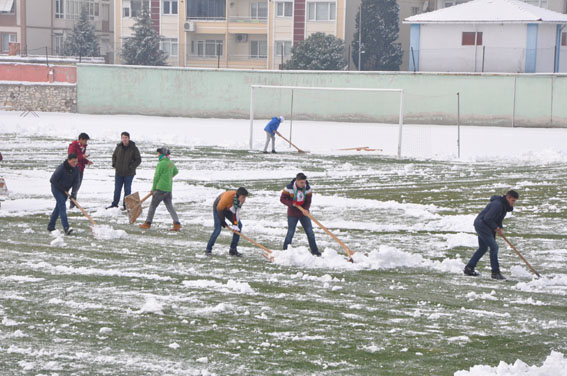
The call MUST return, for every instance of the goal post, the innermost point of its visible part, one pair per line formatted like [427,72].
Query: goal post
[314,88]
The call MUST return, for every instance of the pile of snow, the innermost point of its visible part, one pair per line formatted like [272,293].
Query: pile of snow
[461,240]
[58,241]
[231,286]
[105,232]
[519,271]
[556,285]
[152,306]
[385,257]
[555,364]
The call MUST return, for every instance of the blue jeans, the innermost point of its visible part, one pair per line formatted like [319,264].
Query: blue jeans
[59,211]
[486,239]
[307,226]
[217,231]
[120,181]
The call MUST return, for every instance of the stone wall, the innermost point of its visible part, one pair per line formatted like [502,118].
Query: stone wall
[19,96]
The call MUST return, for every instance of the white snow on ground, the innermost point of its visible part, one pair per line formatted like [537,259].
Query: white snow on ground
[555,364]
[105,232]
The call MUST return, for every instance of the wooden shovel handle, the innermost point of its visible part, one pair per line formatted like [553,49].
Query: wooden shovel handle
[268,256]
[348,251]
[289,142]
[81,208]
[518,253]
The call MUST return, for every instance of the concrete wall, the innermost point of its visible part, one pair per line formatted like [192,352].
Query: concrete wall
[38,97]
[486,99]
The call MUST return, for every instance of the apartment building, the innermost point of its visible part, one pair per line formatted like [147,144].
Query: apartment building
[248,34]
[40,27]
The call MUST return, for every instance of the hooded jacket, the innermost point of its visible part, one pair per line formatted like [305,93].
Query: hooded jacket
[273,125]
[163,177]
[493,214]
[75,147]
[286,198]
[125,159]
[65,177]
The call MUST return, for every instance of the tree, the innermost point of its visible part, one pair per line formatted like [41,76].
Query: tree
[318,52]
[82,41]
[380,29]
[143,47]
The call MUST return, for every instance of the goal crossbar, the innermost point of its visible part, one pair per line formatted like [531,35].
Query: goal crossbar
[400,91]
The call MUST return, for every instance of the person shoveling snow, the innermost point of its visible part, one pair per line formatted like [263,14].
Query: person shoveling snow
[66,176]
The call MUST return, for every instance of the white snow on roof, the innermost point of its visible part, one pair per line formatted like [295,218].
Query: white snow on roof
[6,5]
[490,11]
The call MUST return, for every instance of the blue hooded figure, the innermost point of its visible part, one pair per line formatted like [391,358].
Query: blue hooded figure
[271,128]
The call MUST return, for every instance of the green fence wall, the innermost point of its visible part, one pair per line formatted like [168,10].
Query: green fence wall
[537,100]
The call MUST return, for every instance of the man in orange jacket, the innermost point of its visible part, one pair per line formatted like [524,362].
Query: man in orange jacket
[227,206]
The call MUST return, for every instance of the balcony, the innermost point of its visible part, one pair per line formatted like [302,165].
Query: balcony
[247,25]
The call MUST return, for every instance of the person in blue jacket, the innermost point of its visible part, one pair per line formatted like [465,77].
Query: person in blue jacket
[65,177]
[487,224]
[271,129]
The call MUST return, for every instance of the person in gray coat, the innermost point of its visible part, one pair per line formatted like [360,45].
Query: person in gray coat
[125,159]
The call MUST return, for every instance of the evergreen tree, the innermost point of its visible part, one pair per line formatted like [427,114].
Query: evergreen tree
[318,52]
[143,47]
[82,41]
[380,29]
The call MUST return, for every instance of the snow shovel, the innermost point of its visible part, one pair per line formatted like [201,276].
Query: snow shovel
[267,253]
[518,253]
[82,210]
[291,143]
[134,205]
[348,251]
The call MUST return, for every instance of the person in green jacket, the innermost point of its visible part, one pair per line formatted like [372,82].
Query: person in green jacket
[161,189]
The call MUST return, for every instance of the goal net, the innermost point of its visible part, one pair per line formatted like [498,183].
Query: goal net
[337,104]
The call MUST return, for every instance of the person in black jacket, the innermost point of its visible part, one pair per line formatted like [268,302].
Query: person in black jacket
[125,159]
[487,224]
[65,177]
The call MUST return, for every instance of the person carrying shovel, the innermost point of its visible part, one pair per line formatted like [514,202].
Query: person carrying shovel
[66,176]
[162,188]
[298,194]
[271,129]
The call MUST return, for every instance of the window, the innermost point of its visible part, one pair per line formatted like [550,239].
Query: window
[125,12]
[322,11]
[259,10]
[93,8]
[136,7]
[564,39]
[58,43]
[258,49]
[286,45]
[169,46]
[472,38]
[59,9]
[414,11]
[206,9]
[284,9]
[209,48]
[8,38]
[169,7]
[12,9]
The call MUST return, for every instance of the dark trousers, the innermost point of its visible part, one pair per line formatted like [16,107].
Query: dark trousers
[307,226]
[157,198]
[486,239]
[76,191]
[217,231]
[59,211]
[120,181]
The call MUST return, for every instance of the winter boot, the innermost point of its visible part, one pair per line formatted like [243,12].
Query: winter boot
[498,275]
[470,271]
[316,253]
[68,231]
[111,206]
[208,252]
[72,205]
[176,227]
[145,226]
[234,252]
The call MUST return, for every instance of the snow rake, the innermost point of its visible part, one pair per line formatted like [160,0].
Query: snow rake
[134,205]
[518,253]
[81,209]
[267,253]
[348,251]
[291,143]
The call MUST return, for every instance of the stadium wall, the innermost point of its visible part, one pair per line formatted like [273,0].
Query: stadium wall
[529,100]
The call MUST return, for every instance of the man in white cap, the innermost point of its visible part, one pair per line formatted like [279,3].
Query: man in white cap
[271,129]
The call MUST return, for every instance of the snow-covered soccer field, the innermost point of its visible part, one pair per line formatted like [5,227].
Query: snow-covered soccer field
[128,302]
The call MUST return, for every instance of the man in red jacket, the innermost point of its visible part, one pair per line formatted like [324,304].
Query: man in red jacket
[298,193]
[79,147]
